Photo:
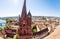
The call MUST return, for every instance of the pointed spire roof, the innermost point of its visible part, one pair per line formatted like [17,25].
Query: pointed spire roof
[24,13]
[29,14]
[19,17]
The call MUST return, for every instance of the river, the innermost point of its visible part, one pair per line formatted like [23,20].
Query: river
[2,23]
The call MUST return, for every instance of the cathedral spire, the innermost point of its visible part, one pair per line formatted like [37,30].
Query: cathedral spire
[25,24]
[29,14]
[24,13]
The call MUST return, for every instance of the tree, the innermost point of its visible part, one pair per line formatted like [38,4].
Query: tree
[0,29]
[15,23]
[34,29]
[6,26]
[8,20]
[9,38]
[17,36]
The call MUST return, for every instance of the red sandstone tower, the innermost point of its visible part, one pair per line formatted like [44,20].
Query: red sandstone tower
[25,31]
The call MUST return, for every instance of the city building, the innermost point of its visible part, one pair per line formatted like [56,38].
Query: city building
[11,29]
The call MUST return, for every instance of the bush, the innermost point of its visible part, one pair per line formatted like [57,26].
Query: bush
[6,26]
[9,38]
[15,23]
[17,36]
[8,20]
[0,28]
[34,30]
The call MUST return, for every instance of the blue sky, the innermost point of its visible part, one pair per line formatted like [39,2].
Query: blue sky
[36,7]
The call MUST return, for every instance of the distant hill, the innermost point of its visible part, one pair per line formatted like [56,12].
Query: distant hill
[4,18]
[17,17]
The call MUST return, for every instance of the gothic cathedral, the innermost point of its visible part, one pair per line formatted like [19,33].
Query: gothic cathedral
[25,21]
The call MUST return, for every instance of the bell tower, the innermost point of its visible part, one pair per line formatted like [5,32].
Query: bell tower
[25,31]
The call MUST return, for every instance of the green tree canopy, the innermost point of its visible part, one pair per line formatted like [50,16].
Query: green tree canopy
[34,29]
[17,36]
[8,20]
[0,28]
[9,38]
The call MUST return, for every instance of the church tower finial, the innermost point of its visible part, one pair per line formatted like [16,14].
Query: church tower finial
[24,13]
